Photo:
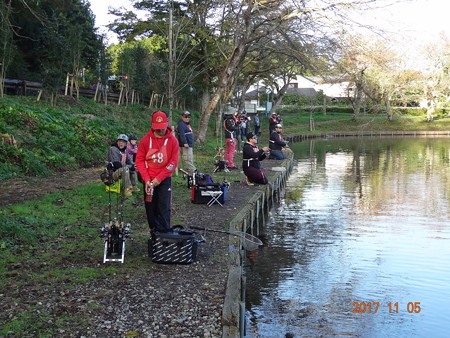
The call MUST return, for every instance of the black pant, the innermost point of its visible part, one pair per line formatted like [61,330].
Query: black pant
[158,210]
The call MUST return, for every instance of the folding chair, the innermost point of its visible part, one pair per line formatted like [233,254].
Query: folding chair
[215,195]
[115,187]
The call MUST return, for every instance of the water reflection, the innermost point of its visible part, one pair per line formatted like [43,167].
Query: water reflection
[362,221]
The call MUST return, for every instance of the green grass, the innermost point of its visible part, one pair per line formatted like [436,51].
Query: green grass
[340,122]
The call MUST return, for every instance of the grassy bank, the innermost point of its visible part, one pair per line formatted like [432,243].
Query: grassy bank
[341,122]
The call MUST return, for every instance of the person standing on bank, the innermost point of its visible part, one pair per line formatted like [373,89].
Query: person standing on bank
[156,160]
[256,123]
[186,141]
[276,143]
[229,124]
[251,157]
[123,165]
[273,121]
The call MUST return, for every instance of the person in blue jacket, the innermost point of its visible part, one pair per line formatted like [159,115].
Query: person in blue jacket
[186,141]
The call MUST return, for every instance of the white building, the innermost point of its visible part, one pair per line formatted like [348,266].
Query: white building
[333,87]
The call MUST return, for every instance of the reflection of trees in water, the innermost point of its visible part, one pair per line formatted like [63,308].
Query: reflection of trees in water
[401,171]
[382,169]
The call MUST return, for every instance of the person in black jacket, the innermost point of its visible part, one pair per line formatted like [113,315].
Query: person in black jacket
[276,143]
[251,157]
[273,121]
[186,141]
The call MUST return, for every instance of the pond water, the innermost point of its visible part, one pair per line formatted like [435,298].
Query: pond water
[359,245]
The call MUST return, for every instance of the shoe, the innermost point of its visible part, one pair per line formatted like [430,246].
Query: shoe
[135,188]
[128,192]
[248,182]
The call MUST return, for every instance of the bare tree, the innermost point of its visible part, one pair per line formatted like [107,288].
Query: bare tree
[253,21]
[6,46]
[437,75]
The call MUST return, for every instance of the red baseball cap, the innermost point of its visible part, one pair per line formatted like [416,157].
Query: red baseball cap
[159,120]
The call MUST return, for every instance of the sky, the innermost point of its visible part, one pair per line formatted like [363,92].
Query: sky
[416,20]
[412,22]
[102,18]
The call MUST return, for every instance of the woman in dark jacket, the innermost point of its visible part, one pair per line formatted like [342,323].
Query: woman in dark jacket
[252,155]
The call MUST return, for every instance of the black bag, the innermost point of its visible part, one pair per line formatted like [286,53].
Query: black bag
[203,179]
[202,194]
[178,246]
[106,177]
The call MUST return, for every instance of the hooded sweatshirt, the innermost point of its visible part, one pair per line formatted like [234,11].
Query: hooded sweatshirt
[157,157]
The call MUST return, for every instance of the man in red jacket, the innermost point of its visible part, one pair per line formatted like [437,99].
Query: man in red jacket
[156,159]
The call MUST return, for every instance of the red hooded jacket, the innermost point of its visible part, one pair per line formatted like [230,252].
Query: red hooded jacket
[157,157]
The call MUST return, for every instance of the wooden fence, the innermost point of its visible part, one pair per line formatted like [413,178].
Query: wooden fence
[30,88]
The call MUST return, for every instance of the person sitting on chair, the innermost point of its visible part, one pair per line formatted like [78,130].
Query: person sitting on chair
[132,147]
[252,155]
[122,164]
[276,143]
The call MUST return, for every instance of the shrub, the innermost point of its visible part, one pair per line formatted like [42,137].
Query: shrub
[63,137]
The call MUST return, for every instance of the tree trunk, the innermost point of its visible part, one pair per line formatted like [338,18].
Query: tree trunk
[387,103]
[205,100]
[2,79]
[226,81]
[357,103]
[431,106]
[281,92]
[431,109]
[218,124]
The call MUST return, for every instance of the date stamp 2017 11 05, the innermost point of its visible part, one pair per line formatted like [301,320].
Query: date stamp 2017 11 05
[373,307]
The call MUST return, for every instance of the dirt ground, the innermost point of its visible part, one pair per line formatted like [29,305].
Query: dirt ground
[18,190]
[155,301]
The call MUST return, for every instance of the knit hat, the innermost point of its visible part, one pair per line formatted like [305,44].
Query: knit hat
[250,135]
[159,120]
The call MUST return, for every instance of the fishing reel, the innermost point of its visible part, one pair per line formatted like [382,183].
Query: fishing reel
[221,165]
[115,234]
[190,178]
[226,184]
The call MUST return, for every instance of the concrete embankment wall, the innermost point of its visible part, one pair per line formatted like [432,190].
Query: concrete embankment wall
[302,137]
[249,219]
